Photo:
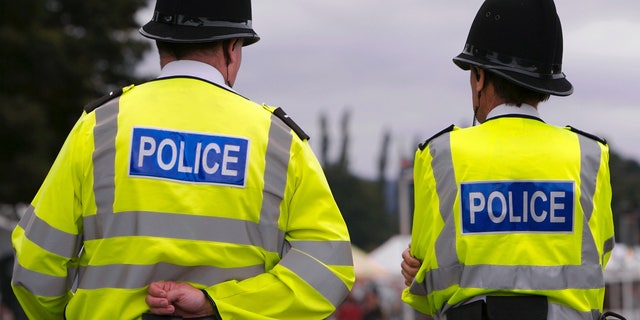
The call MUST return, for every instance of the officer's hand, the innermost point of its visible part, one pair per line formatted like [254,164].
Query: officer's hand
[178,299]
[410,266]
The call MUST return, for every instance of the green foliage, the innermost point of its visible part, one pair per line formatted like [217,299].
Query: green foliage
[56,56]
[363,208]
[625,184]
[361,201]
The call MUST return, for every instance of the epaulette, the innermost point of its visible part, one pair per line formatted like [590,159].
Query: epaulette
[102,100]
[278,112]
[588,135]
[445,130]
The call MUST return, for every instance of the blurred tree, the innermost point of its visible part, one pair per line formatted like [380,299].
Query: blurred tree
[324,140]
[360,200]
[625,184]
[56,56]
[343,158]
[383,158]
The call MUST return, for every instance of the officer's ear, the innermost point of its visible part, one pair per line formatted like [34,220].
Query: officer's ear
[480,78]
[229,47]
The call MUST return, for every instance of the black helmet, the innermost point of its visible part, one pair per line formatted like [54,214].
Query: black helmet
[520,41]
[199,21]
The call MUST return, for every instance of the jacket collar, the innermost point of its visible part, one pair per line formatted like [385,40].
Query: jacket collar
[195,69]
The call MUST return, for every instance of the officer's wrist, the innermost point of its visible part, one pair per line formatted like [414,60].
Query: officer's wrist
[214,307]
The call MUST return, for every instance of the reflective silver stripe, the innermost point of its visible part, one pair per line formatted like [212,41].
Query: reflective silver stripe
[51,239]
[104,155]
[560,312]
[450,269]
[275,181]
[40,284]
[586,276]
[530,277]
[447,190]
[608,245]
[301,257]
[335,253]
[177,226]
[316,275]
[137,276]
[589,166]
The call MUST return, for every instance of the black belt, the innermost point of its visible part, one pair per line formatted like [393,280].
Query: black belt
[149,316]
[502,308]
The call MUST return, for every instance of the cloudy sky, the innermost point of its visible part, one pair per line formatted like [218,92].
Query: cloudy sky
[388,63]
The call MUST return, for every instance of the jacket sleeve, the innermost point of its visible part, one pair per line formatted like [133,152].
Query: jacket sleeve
[46,240]
[315,272]
[427,223]
[601,221]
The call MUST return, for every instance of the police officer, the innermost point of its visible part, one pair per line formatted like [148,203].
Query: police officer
[512,217]
[181,198]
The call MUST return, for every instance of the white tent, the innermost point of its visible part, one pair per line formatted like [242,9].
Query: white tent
[389,254]
[365,267]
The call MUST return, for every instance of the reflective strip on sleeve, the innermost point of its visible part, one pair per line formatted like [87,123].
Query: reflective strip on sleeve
[301,257]
[316,275]
[54,241]
[608,245]
[40,284]
[588,275]
[335,253]
[446,189]
[49,238]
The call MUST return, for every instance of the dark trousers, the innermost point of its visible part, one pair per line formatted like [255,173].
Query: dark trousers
[149,316]
[502,308]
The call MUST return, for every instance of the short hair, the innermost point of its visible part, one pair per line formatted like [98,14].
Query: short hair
[512,93]
[182,50]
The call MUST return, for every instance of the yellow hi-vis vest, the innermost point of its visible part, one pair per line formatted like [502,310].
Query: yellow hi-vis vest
[512,206]
[178,179]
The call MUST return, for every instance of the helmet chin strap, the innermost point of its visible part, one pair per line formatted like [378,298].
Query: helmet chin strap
[227,80]
[227,60]
[475,110]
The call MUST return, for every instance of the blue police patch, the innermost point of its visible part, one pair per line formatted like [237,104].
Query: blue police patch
[190,157]
[517,206]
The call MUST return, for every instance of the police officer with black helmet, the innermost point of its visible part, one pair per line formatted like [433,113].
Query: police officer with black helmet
[512,217]
[180,198]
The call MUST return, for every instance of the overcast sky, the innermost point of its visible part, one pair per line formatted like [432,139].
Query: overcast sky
[389,64]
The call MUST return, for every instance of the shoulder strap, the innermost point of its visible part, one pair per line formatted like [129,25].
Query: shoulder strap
[278,112]
[102,100]
[443,131]
[588,135]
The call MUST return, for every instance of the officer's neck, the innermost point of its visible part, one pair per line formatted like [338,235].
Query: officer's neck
[489,101]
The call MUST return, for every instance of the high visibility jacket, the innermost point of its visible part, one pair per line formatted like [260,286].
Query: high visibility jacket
[179,179]
[512,206]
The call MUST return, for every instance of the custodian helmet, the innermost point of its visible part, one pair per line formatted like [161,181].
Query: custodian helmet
[520,41]
[200,21]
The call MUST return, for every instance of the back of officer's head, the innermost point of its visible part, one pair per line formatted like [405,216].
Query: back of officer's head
[520,42]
